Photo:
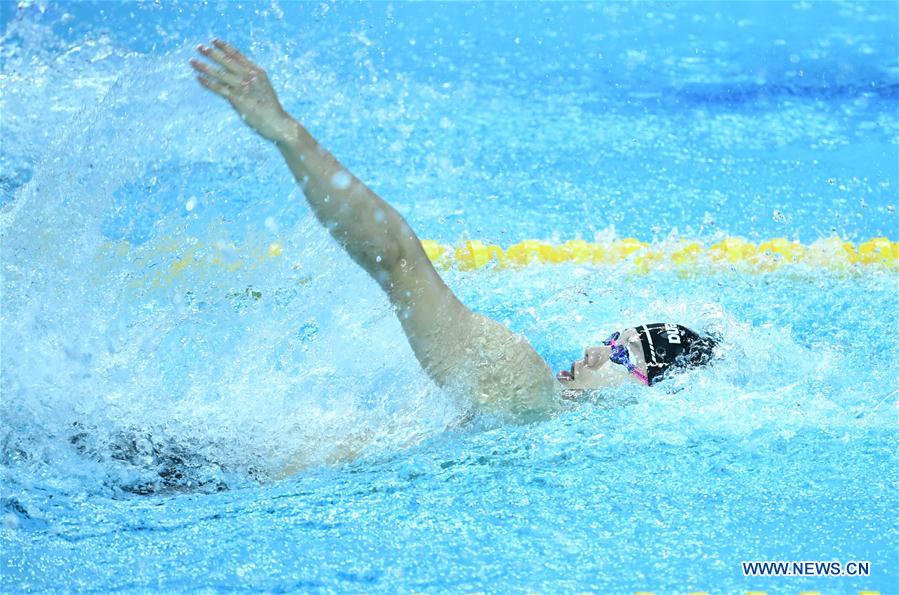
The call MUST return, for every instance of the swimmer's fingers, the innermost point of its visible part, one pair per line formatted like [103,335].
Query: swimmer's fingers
[233,54]
[224,60]
[215,74]
[215,86]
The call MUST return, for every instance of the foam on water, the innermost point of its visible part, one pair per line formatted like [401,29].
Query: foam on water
[132,368]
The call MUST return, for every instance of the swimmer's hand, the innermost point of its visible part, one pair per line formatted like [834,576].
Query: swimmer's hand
[246,87]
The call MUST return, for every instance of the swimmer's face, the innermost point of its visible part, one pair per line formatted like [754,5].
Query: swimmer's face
[594,371]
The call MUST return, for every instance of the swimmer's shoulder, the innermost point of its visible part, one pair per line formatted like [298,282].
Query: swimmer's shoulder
[503,373]
[492,367]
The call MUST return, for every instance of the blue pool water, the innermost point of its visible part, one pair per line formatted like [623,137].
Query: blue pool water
[157,372]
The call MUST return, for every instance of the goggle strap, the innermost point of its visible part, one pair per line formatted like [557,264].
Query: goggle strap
[621,356]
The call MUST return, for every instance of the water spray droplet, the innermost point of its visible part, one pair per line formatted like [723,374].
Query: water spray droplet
[341,180]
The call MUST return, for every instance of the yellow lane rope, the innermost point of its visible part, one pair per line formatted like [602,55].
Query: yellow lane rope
[627,254]
[831,253]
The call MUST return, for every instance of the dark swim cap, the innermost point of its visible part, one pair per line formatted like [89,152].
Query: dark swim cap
[672,346]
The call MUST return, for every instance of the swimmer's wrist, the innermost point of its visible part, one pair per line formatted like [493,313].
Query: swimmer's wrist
[291,133]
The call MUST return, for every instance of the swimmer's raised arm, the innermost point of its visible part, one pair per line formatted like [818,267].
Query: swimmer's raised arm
[366,226]
[456,347]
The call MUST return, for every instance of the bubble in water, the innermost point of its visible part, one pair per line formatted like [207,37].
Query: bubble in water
[271,224]
[779,216]
[191,203]
[341,180]
[11,521]
[308,332]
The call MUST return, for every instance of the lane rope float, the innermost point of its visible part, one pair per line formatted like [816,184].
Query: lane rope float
[627,254]
[830,253]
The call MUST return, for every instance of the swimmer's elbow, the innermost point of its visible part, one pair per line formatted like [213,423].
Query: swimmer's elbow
[378,254]
[384,254]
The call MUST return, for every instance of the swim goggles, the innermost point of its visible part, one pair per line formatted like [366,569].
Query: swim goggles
[620,355]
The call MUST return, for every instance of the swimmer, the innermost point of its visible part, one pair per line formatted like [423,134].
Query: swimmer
[460,350]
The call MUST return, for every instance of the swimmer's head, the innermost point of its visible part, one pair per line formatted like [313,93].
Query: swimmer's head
[643,354]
